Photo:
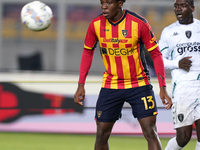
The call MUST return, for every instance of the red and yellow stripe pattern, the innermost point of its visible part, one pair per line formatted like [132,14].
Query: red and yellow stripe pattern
[121,44]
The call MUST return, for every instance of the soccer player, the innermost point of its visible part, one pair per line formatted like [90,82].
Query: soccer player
[180,46]
[122,35]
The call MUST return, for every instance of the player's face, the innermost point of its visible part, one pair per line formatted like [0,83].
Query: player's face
[183,11]
[111,9]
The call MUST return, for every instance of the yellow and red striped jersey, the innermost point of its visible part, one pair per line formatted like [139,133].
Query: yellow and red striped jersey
[122,49]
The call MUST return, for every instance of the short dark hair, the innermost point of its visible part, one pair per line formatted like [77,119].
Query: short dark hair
[120,0]
[190,2]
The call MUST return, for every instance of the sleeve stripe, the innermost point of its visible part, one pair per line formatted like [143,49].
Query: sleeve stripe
[87,47]
[164,49]
[152,48]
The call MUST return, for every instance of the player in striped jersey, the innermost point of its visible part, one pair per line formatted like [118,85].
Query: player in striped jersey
[180,46]
[122,36]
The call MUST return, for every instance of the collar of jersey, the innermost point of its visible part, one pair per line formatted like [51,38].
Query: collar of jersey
[114,23]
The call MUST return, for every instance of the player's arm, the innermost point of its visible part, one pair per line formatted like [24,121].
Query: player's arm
[150,42]
[86,62]
[166,52]
[160,71]
[185,63]
[158,65]
[169,63]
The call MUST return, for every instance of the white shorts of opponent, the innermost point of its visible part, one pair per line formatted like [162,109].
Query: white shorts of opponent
[186,103]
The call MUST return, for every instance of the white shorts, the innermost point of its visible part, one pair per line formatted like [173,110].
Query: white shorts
[186,103]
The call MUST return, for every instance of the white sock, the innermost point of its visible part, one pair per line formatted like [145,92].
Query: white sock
[173,145]
[197,146]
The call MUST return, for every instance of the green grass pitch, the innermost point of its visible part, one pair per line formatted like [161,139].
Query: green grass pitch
[42,141]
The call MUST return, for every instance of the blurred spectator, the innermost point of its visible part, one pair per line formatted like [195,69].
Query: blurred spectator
[160,10]
[30,60]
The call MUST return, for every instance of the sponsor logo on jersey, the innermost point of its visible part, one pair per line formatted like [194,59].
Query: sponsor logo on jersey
[188,34]
[114,40]
[117,51]
[188,47]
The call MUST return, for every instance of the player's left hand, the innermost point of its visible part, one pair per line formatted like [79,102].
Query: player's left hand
[80,94]
[185,63]
[166,100]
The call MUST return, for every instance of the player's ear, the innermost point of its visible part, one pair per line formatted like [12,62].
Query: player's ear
[193,8]
[120,3]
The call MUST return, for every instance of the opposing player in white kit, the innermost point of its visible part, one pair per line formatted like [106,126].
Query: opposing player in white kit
[180,46]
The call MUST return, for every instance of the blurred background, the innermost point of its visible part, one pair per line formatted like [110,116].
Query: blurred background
[36,67]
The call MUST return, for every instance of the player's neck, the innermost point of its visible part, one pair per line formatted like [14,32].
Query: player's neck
[188,21]
[120,16]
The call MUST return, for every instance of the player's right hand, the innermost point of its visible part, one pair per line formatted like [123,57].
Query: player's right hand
[80,94]
[185,63]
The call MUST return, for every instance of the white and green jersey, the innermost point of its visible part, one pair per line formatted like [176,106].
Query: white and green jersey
[178,41]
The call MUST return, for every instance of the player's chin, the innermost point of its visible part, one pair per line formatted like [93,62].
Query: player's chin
[181,20]
[107,17]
